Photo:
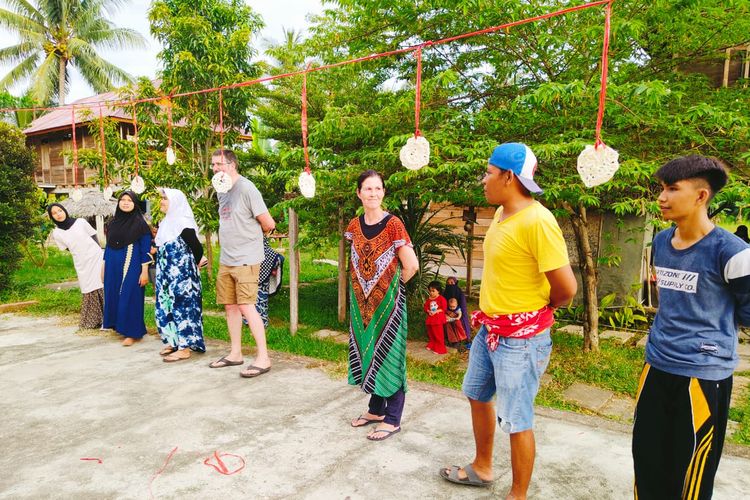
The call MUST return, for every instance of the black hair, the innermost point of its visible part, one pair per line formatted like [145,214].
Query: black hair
[709,169]
[366,175]
[436,285]
[228,155]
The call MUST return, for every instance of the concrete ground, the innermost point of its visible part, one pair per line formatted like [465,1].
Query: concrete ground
[66,396]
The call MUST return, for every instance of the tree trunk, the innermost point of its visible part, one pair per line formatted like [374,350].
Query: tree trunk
[589,278]
[61,84]
[342,269]
[209,256]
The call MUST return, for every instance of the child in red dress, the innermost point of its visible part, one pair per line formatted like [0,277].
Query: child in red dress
[435,307]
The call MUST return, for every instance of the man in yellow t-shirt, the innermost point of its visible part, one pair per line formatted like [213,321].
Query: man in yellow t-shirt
[526,276]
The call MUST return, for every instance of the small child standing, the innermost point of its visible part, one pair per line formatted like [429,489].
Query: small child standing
[435,307]
[454,329]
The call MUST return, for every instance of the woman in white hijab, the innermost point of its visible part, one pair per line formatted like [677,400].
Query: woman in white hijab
[178,283]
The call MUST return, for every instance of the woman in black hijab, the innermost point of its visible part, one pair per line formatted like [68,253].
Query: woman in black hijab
[125,270]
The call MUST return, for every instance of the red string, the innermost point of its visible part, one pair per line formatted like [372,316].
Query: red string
[221,124]
[169,457]
[418,92]
[304,120]
[605,69]
[220,466]
[75,148]
[412,48]
[101,139]
[91,459]
[169,122]
[135,140]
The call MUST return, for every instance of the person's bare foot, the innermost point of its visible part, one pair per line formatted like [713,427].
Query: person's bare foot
[128,341]
[177,356]
[366,418]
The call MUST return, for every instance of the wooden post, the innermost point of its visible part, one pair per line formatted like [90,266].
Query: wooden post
[342,269]
[469,257]
[727,61]
[293,272]
[746,66]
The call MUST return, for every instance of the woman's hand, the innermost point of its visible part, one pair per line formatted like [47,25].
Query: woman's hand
[143,278]
[203,263]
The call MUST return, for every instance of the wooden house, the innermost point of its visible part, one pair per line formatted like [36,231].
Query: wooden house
[51,135]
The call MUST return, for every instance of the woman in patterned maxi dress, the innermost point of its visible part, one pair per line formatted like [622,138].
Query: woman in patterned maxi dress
[125,272]
[382,260]
[179,307]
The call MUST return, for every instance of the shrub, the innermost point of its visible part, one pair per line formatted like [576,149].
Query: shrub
[17,198]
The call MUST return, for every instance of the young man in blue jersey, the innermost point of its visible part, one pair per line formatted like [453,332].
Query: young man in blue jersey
[703,276]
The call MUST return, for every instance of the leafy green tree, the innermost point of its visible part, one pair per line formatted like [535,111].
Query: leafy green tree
[530,84]
[17,199]
[55,34]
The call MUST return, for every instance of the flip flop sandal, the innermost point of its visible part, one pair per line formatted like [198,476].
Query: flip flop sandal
[167,351]
[256,373]
[387,434]
[222,362]
[368,421]
[471,478]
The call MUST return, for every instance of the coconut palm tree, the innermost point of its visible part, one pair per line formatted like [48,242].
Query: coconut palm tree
[54,34]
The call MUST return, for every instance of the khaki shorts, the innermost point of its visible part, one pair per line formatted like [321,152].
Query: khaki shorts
[237,284]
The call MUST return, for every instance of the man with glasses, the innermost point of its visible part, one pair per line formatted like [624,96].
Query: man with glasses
[243,220]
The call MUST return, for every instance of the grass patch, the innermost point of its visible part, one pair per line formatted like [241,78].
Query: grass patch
[616,367]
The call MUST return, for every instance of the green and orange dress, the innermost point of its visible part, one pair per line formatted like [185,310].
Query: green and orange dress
[377,319]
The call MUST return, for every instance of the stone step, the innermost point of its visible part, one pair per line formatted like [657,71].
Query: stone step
[618,335]
[587,396]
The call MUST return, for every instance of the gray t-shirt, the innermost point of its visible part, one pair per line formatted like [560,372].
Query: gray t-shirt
[240,234]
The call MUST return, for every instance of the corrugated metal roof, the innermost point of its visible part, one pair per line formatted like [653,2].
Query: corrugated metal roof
[86,108]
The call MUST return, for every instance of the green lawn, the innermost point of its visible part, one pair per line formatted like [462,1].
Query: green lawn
[615,368]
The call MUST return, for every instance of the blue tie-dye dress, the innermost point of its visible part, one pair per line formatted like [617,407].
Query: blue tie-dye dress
[179,301]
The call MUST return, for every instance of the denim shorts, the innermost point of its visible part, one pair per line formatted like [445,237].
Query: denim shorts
[512,371]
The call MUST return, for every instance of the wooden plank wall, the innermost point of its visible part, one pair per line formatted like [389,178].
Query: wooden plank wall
[451,215]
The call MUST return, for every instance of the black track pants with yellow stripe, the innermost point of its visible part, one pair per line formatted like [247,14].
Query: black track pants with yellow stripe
[678,435]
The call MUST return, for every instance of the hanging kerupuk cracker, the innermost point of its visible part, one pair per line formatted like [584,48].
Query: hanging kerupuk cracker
[598,163]
[76,194]
[306,180]
[137,184]
[416,153]
[171,156]
[221,181]
[108,190]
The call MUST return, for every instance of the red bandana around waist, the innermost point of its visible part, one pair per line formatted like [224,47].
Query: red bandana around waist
[517,325]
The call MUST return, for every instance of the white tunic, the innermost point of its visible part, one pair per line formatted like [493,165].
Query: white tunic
[87,254]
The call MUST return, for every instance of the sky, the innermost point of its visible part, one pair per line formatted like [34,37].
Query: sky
[277,14]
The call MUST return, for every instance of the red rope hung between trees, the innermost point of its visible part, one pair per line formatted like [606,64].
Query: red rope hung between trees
[248,83]
[75,147]
[303,120]
[605,70]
